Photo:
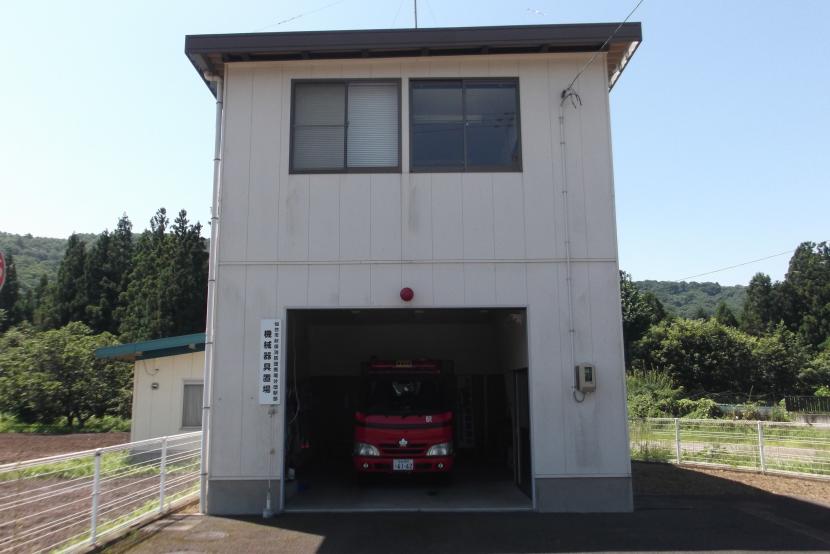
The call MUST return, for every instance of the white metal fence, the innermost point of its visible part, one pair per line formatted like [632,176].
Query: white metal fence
[765,446]
[68,501]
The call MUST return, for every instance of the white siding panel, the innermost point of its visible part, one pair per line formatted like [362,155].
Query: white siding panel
[560,75]
[266,139]
[323,285]
[294,218]
[386,285]
[236,164]
[292,286]
[386,217]
[448,284]
[355,217]
[355,285]
[477,190]
[324,216]
[538,159]
[504,67]
[447,216]
[258,433]
[418,277]
[417,217]
[511,285]
[479,284]
[606,323]
[597,167]
[547,366]
[226,418]
[508,216]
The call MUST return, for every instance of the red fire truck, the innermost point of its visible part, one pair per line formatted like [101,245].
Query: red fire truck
[405,424]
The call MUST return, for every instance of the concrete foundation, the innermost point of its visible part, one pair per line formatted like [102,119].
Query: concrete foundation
[237,497]
[584,494]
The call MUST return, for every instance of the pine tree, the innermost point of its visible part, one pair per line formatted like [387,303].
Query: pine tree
[10,296]
[167,290]
[725,316]
[70,295]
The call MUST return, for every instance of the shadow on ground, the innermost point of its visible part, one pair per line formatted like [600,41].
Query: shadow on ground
[675,510]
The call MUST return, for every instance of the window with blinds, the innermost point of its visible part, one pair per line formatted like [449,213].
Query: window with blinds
[345,126]
[192,405]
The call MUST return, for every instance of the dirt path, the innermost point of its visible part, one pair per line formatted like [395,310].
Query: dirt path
[15,447]
[667,479]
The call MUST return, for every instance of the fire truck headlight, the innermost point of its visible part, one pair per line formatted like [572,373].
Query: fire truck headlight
[363,449]
[441,449]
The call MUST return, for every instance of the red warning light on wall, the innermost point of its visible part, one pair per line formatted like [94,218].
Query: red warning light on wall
[407,294]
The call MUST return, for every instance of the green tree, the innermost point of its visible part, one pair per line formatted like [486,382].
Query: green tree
[761,308]
[781,357]
[70,294]
[167,289]
[724,316]
[815,374]
[699,355]
[807,291]
[10,296]
[46,375]
[639,312]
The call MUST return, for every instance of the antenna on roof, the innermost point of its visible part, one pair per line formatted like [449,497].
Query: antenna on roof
[415,5]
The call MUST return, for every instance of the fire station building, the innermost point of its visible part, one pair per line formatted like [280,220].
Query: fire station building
[409,198]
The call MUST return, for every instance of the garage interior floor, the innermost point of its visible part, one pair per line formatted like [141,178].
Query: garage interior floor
[471,489]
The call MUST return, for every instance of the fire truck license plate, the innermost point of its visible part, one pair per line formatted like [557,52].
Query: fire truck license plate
[402,465]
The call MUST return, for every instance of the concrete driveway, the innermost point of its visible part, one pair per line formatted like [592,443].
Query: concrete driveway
[728,516]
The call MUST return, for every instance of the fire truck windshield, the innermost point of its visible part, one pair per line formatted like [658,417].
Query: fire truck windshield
[404,395]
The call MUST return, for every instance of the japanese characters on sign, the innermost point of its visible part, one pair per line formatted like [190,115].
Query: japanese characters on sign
[270,338]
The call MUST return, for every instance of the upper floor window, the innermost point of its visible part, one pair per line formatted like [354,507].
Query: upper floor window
[345,126]
[465,125]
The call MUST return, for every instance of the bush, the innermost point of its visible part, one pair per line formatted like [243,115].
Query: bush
[780,413]
[704,408]
[651,394]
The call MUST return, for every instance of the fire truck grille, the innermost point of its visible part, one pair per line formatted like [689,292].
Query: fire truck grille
[412,449]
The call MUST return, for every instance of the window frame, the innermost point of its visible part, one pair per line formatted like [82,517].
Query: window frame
[516,167]
[345,169]
[200,383]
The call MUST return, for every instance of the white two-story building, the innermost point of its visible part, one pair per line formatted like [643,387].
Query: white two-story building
[444,194]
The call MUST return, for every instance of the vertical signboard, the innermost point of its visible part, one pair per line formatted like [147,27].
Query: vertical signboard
[270,342]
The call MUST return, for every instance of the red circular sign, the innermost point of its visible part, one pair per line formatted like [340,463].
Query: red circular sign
[2,270]
[407,294]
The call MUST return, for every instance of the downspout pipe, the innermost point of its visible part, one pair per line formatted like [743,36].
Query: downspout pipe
[213,265]
[568,94]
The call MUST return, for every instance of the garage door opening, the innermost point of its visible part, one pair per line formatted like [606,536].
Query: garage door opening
[381,403]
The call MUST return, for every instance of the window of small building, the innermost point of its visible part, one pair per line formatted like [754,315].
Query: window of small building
[192,405]
[465,125]
[345,126]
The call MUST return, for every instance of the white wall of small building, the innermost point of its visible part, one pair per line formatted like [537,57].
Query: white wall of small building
[458,239]
[158,412]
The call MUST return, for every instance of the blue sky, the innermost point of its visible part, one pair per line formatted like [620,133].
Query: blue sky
[720,123]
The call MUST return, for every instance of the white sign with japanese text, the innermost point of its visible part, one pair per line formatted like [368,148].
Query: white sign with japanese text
[270,339]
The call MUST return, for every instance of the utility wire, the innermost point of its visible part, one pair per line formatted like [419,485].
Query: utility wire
[737,265]
[604,44]
[298,16]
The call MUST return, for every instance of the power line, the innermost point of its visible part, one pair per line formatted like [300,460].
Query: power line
[604,44]
[737,265]
[298,16]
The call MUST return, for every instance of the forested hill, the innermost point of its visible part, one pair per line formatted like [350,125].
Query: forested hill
[686,299]
[36,256]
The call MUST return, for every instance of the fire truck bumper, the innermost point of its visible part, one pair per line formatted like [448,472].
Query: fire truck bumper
[386,464]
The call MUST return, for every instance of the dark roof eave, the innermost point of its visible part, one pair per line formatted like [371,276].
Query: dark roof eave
[586,37]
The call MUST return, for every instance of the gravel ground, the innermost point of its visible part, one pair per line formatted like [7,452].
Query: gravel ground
[26,446]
